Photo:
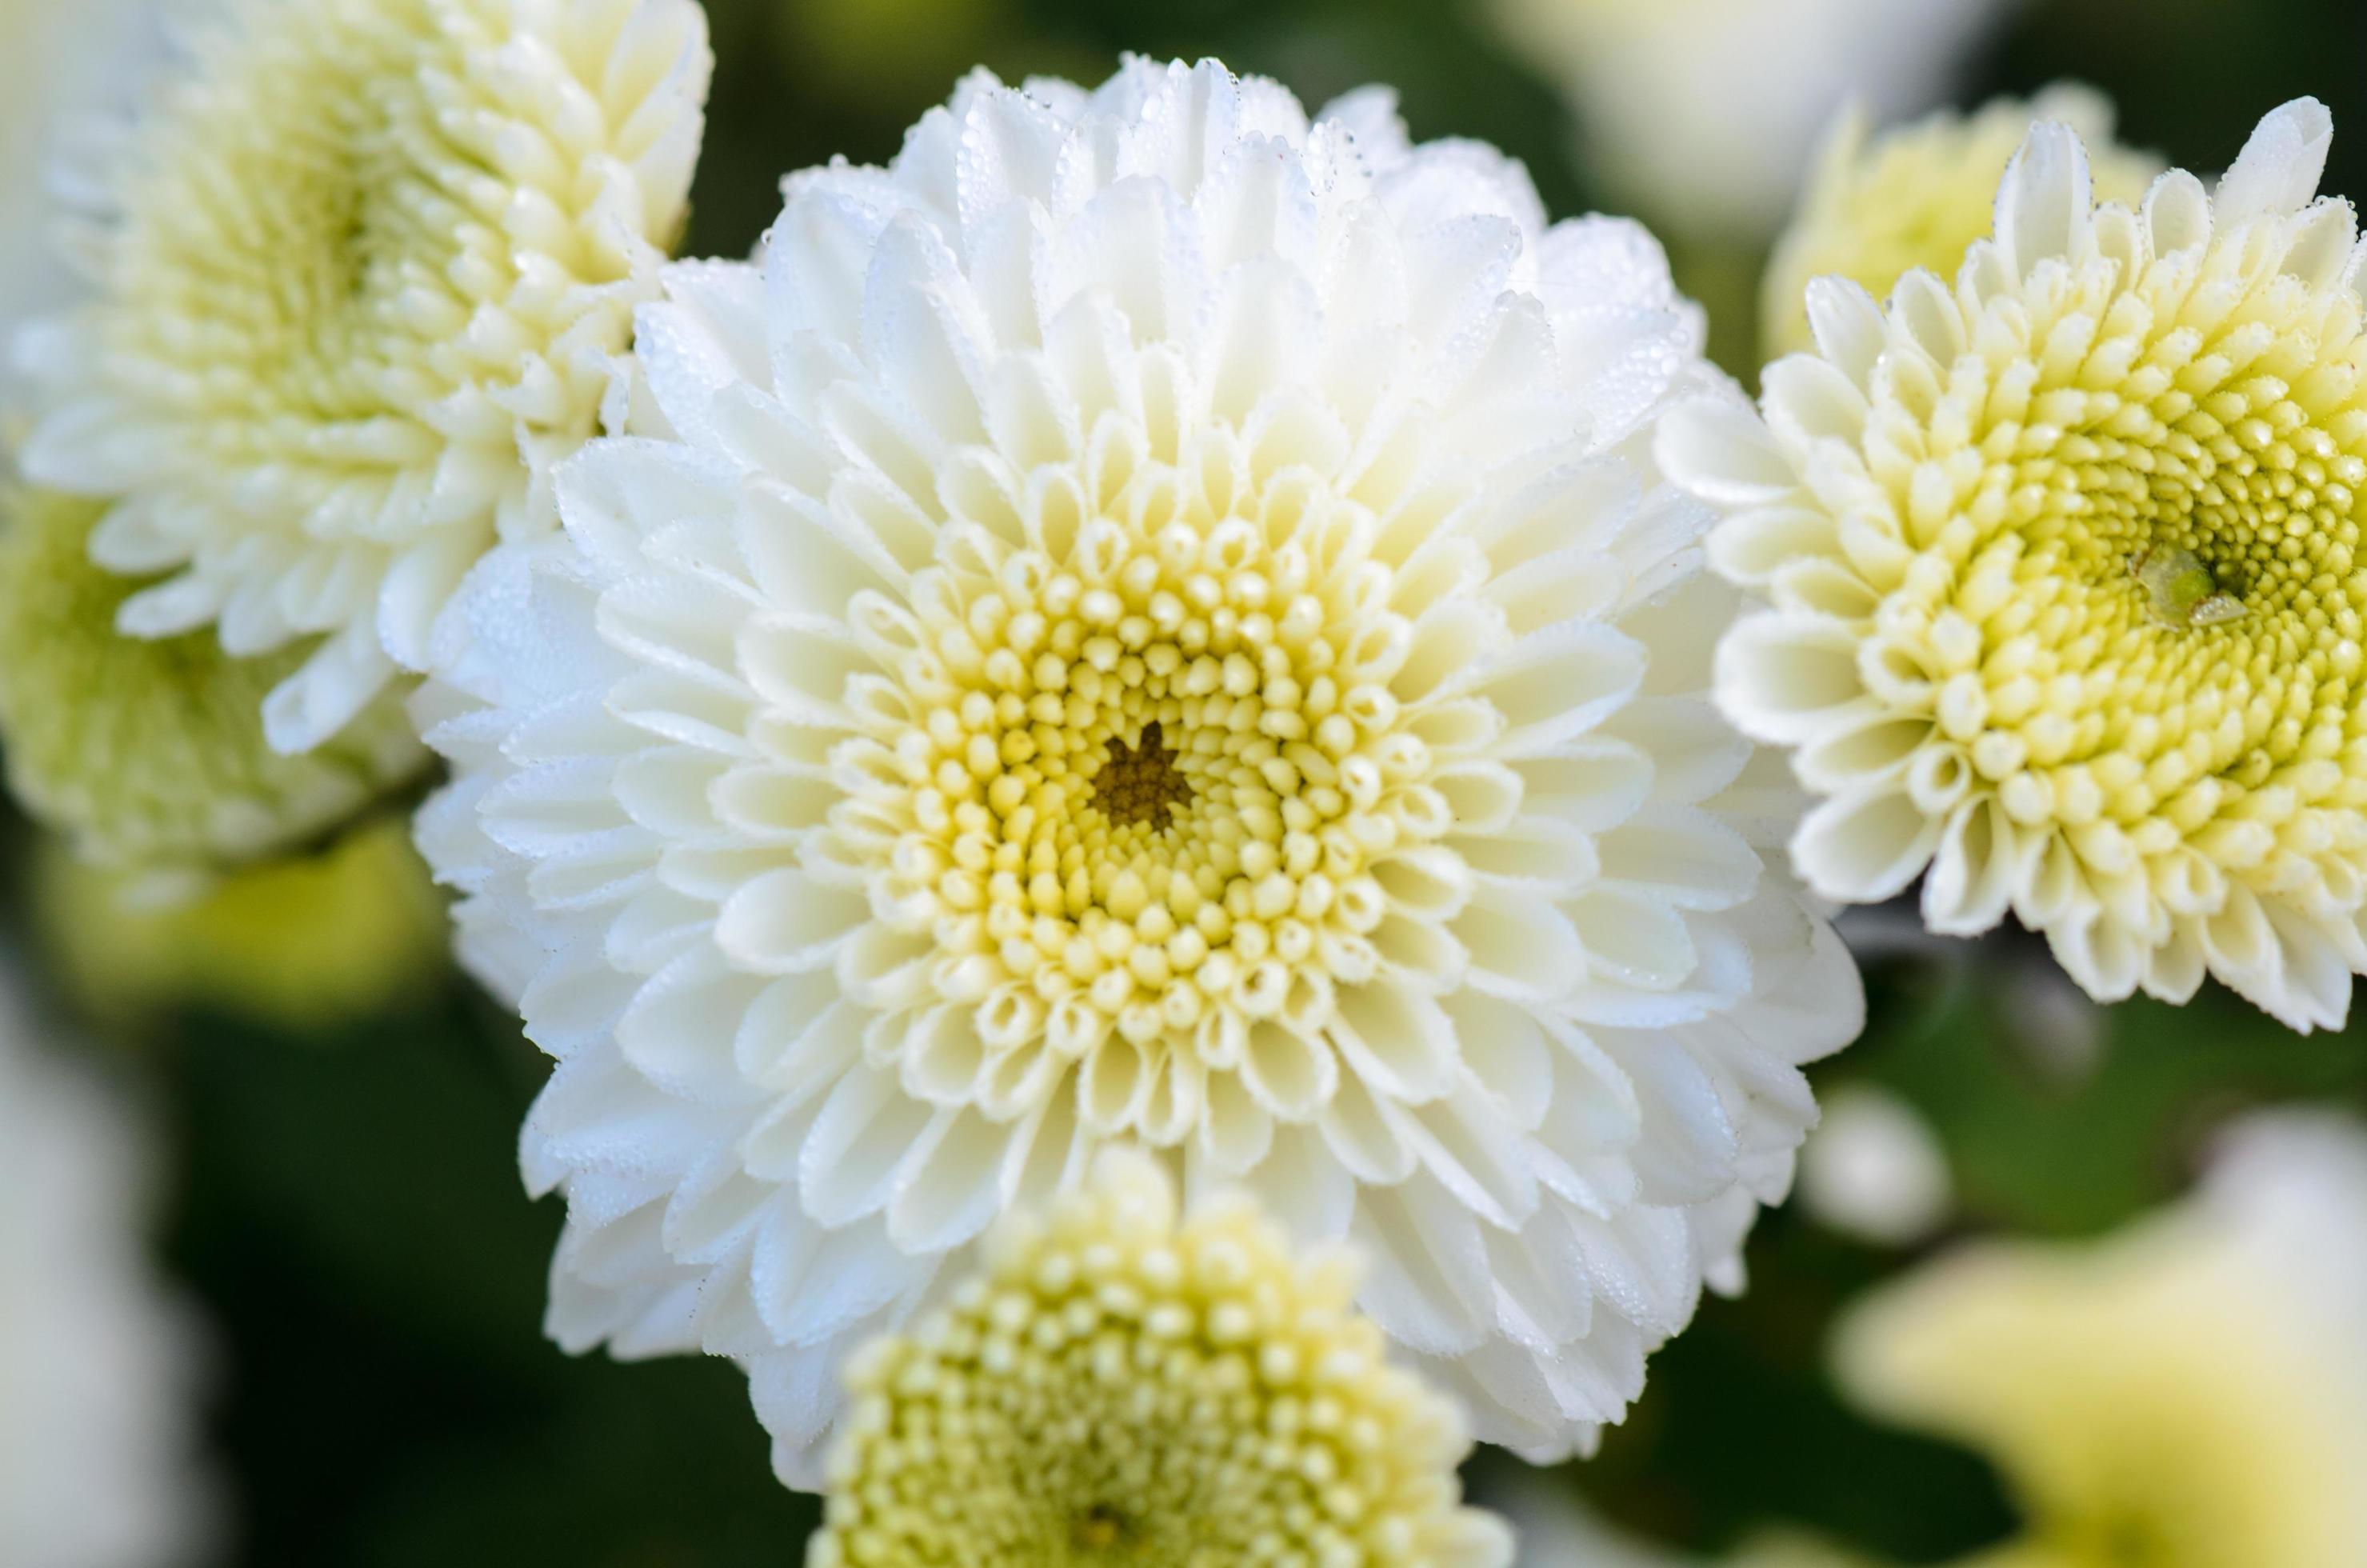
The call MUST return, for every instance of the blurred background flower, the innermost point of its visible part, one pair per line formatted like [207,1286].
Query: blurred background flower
[100,1362]
[1700,115]
[149,757]
[2191,1391]
[1873,1169]
[302,944]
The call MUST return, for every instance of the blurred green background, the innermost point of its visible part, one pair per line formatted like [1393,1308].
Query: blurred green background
[346,1201]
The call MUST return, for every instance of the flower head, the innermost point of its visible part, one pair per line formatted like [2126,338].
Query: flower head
[1878,205]
[97,1363]
[1150,619]
[1115,1387]
[2061,561]
[2192,1392]
[305,942]
[148,757]
[359,277]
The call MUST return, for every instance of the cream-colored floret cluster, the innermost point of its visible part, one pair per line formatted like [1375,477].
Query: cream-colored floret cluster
[2063,563]
[1115,1388]
[1142,767]
[1879,204]
[361,272]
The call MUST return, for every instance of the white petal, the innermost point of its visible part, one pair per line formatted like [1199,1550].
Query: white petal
[2044,202]
[2279,168]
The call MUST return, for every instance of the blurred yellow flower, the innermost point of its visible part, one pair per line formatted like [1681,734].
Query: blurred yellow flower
[2192,1393]
[150,757]
[1118,1388]
[304,943]
[1878,203]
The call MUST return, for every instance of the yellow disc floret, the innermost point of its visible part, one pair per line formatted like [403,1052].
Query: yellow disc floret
[1147,774]
[1117,1388]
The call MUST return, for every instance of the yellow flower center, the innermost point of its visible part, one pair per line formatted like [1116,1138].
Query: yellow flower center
[2148,593]
[315,224]
[1144,774]
[361,235]
[1120,1389]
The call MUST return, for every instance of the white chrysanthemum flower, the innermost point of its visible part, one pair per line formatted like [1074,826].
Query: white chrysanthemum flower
[1116,1386]
[1878,204]
[1154,620]
[2065,603]
[2191,1393]
[97,1369]
[1706,114]
[361,277]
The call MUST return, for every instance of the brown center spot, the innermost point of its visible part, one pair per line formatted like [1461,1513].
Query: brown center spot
[1100,1529]
[1139,783]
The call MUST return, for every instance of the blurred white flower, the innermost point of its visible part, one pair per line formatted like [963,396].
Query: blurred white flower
[1148,620]
[1705,114]
[58,62]
[1551,1519]
[2061,561]
[361,270]
[2189,1393]
[1557,1527]
[97,1364]
[1873,1169]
